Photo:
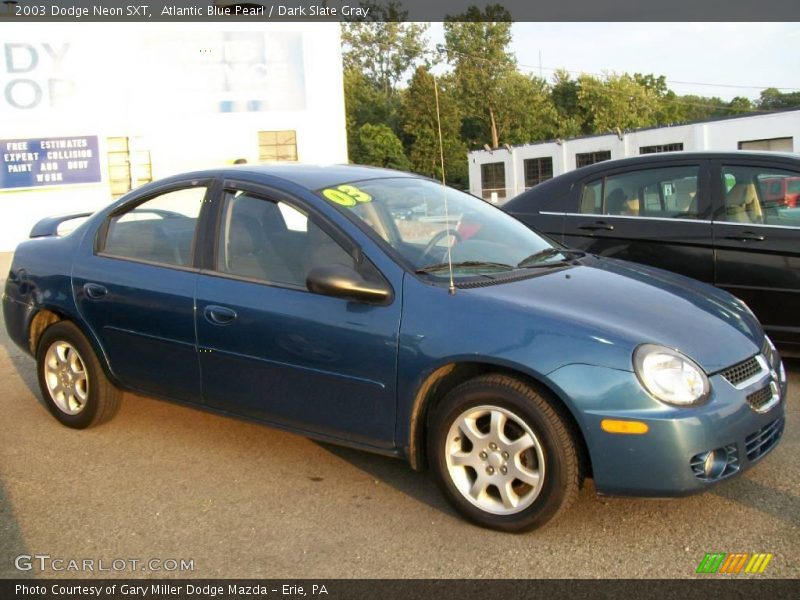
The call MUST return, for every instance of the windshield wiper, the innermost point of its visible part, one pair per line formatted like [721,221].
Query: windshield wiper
[467,263]
[538,257]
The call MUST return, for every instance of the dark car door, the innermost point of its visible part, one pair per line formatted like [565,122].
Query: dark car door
[655,215]
[757,238]
[270,349]
[135,285]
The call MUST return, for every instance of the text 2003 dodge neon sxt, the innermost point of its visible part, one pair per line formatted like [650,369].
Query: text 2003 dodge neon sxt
[318,299]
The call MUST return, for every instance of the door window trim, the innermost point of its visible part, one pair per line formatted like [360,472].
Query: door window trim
[270,194]
[209,182]
[705,214]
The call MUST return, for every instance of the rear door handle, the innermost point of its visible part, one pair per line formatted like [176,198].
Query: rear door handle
[599,226]
[219,315]
[95,291]
[746,236]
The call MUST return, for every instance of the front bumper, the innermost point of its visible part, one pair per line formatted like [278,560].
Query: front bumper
[668,460]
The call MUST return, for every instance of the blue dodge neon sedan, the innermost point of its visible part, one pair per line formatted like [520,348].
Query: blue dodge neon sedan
[384,311]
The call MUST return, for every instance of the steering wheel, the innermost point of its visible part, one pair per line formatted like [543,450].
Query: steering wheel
[438,238]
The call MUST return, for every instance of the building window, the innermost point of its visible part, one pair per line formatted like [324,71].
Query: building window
[785,144]
[277,146]
[493,182]
[661,148]
[589,158]
[538,170]
[129,165]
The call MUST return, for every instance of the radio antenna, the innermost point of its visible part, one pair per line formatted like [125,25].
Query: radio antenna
[444,186]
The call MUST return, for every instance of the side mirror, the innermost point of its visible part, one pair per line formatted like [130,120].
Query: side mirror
[345,282]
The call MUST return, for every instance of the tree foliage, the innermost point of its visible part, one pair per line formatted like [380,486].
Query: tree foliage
[385,48]
[485,100]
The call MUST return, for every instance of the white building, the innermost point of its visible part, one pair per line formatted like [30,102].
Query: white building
[89,111]
[501,174]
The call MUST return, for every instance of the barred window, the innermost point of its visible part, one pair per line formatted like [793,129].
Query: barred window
[493,182]
[538,170]
[277,146]
[661,148]
[589,158]
[129,165]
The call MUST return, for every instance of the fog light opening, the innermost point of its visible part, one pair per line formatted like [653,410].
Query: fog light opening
[715,463]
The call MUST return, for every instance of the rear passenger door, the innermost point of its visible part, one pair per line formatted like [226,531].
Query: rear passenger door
[270,349]
[134,286]
[655,215]
[757,236]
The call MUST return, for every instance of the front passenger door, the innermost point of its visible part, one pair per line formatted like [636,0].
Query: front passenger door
[274,351]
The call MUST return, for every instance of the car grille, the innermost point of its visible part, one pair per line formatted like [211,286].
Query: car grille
[742,371]
[757,444]
[758,400]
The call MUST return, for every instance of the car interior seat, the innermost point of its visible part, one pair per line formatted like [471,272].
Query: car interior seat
[742,205]
[322,250]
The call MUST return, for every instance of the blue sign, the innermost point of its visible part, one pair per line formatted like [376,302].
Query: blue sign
[49,161]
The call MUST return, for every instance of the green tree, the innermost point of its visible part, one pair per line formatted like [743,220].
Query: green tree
[527,112]
[476,44]
[615,102]
[379,146]
[365,103]
[774,99]
[564,94]
[385,48]
[422,129]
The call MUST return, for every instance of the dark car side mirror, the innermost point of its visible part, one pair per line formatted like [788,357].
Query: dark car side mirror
[345,282]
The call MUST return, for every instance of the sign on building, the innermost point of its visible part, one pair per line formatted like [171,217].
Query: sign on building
[31,163]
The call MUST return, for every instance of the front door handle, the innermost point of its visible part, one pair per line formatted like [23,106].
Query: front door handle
[746,236]
[599,226]
[95,291]
[219,315]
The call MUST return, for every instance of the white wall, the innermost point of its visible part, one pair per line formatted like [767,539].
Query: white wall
[715,135]
[160,82]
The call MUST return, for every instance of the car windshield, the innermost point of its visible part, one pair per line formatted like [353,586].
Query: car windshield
[409,214]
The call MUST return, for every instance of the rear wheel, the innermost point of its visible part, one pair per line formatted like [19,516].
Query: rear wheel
[503,454]
[73,384]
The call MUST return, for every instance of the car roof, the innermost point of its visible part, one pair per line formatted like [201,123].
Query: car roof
[657,157]
[315,177]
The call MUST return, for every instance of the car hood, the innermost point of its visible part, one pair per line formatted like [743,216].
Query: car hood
[631,304]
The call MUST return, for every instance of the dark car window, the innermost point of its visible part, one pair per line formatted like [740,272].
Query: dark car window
[761,195]
[669,192]
[160,230]
[273,241]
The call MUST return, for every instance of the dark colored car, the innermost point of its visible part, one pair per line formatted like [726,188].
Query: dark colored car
[303,297]
[727,218]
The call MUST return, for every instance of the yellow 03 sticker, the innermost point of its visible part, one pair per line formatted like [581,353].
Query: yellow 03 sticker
[346,195]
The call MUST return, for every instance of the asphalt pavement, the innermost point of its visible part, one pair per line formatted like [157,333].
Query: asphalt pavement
[236,499]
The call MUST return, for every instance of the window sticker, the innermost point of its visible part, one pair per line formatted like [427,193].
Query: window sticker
[346,195]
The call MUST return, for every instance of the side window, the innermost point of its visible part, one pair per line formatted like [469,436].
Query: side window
[592,198]
[160,230]
[761,195]
[273,241]
[670,192]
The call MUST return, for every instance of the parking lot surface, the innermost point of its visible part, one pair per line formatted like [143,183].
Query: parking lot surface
[166,482]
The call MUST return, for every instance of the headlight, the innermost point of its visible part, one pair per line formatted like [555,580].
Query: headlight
[670,376]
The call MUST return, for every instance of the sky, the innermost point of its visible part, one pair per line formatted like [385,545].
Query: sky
[751,56]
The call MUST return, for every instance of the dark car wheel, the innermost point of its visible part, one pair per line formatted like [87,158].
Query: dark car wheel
[73,384]
[503,455]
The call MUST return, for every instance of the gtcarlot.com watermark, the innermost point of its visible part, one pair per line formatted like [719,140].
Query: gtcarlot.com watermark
[46,563]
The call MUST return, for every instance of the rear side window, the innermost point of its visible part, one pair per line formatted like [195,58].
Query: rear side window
[669,192]
[160,230]
[761,195]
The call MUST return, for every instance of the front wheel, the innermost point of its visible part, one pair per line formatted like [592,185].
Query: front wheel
[503,454]
[73,384]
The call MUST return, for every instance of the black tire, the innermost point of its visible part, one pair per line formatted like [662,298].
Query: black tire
[100,400]
[559,480]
